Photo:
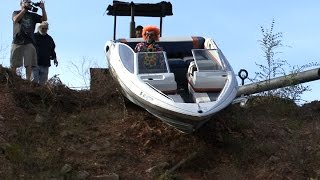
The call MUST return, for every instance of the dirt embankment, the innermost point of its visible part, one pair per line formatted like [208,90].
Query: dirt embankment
[53,132]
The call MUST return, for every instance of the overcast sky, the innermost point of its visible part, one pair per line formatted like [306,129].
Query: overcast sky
[80,30]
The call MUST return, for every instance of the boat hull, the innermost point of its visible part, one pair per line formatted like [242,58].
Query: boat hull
[183,122]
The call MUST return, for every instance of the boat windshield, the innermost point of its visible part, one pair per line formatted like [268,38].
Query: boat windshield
[207,59]
[151,62]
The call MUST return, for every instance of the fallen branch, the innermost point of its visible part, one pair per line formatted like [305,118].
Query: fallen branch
[178,165]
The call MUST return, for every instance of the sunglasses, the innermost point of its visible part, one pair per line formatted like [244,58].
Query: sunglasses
[149,34]
[44,28]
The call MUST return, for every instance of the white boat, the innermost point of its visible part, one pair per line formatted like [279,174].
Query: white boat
[191,81]
[184,85]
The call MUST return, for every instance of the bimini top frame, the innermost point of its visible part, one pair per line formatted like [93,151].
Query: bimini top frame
[132,9]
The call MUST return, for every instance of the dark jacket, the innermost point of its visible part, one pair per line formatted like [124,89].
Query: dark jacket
[45,49]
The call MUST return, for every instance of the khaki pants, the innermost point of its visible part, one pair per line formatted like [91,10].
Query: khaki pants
[23,55]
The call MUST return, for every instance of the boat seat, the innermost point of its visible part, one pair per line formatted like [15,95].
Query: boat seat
[188,60]
[206,81]
[176,63]
[176,98]
[163,82]
[201,97]
[205,86]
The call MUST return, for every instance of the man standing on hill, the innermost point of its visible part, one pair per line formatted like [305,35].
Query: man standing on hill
[46,51]
[23,51]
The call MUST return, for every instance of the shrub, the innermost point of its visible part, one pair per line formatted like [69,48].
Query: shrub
[270,43]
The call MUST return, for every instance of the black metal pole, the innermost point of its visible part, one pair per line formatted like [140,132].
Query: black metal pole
[162,14]
[160,26]
[132,23]
[114,27]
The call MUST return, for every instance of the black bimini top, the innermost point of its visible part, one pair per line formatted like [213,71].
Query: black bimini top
[160,9]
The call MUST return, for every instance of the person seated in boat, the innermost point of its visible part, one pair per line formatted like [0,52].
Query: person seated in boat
[150,34]
[150,60]
[139,31]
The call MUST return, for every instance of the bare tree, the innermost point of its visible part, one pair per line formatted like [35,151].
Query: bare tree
[3,52]
[82,71]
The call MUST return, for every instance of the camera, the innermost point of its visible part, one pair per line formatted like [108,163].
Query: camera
[33,6]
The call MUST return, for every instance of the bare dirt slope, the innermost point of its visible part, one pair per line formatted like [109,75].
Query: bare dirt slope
[56,133]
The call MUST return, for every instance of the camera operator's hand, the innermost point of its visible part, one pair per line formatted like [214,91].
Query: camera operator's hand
[55,61]
[25,6]
[41,5]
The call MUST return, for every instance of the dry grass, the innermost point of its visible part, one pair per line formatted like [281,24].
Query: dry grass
[54,132]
